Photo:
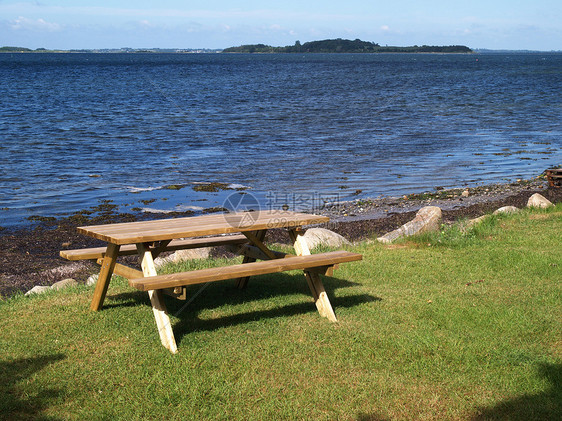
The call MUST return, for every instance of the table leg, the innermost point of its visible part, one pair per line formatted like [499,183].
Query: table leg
[259,236]
[313,279]
[157,301]
[106,271]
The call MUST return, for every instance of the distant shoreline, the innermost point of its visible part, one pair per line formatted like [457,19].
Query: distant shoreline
[221,51]
[327,46]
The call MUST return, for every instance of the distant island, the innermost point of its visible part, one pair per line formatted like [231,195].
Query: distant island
[326,46]
[345,46]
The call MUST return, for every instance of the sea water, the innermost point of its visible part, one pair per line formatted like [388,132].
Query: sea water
[147,131]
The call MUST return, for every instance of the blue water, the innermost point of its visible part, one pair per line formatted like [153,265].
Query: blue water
[77,129]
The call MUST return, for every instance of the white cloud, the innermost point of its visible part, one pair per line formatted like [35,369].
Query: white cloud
[385,28]
[34,24]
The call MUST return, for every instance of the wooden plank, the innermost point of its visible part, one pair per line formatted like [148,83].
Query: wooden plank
[299,243]
[257,254]
[149,231]
[124,271]
[258,242]
[157,300]
[104,278]
[314,282]
[258,236]
[179,293]
[241,270]
[131,249]
[159,247]
[322,303]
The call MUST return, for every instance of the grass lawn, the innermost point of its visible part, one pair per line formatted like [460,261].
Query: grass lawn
[444,326]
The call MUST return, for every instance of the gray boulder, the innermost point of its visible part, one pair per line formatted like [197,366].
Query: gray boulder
[427,219]
[181,255]
[320,236]
[538,201]
[192,254]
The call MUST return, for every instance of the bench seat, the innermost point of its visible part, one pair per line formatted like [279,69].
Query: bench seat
[321,260]
[131,249]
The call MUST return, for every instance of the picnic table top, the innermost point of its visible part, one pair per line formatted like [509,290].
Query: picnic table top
[198,226]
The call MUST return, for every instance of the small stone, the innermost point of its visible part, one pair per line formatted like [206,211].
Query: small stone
[65,283]
[538,201]
[67,244]
[92,279]
[465,193]
[37,289]
[506,209]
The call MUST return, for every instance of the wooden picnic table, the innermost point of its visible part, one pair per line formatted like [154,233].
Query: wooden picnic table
[150,238]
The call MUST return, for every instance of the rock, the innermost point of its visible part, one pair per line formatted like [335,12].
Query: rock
[162,261]
[320,236]
[506,209]
[427,219]
[37,289]
[92,279]
[181,255]
[191,254]
[465,193]
[538,201]
[475,221]
[65,283]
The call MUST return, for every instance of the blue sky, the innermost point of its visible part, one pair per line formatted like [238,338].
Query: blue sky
[493,24]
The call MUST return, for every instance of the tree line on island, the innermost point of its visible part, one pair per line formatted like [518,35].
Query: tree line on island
[325,46]
[345,46]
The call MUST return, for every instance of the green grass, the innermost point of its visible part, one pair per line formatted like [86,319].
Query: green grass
[450,325]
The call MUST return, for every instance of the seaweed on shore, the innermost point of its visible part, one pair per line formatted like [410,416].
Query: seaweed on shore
[211,187]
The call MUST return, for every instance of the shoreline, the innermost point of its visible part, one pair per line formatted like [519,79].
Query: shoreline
[31,254]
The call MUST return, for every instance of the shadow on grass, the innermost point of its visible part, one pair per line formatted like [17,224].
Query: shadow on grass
[18,404]
[191,323]
[219,294]
[546,405]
